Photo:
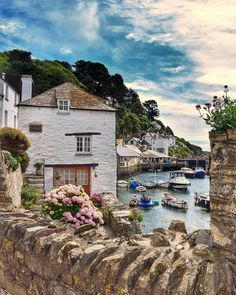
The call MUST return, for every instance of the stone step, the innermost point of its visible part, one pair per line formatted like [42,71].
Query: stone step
[36,207]
[34,176]
[35,180]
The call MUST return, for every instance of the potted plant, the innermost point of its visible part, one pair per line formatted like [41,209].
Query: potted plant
[38,168]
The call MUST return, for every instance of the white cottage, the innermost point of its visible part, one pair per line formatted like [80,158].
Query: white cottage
[9,99]
[73,133]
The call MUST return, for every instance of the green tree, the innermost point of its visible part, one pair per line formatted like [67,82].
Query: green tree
[152,109]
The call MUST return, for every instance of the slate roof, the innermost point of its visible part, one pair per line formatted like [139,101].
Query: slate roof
[125,152]
[79,98]
[154,154]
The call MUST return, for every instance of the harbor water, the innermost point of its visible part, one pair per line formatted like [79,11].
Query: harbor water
[161,216]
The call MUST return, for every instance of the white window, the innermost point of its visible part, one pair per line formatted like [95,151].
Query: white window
[6,119]
[63,105]
[84,144]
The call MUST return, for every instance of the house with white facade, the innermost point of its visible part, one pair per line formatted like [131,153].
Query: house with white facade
[9,99]
[72,132]
[159,142]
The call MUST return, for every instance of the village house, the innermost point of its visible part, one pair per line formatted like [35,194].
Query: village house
[128,160]
[72,132]
[159,142]
[9,99]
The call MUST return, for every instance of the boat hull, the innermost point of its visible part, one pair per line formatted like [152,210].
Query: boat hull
[179,186]
[200,174]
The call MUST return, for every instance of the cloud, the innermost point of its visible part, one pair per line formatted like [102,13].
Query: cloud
[10,27]
[66,50]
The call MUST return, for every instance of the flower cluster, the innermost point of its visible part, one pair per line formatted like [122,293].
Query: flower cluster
[221,114]
[72,203]
[96,199]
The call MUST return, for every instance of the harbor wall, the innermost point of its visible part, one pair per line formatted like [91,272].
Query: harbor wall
[223,192]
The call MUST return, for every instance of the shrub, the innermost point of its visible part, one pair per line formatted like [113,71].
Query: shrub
[24,162]
[29,195]
[72,203]
[14,141]
[136,215]
[12,162]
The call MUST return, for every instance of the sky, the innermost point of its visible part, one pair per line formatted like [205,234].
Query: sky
[178,52]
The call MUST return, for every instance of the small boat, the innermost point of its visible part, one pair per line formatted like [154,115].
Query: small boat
[140,188]
[162,184]
[149,184]
[178,180]
[188,172]
[170,201]
[146,202]
[134,183]
[200,173]
[133,202]
[202,200]
[122,183]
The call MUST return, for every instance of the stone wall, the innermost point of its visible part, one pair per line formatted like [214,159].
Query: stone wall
[10,184]
[223,192]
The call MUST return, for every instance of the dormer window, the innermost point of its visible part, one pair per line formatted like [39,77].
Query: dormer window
[63,105]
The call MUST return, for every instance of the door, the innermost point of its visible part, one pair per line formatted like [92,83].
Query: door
[77,175]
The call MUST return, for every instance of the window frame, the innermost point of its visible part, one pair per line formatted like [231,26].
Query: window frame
[6,118]
[63,105]
[83,152]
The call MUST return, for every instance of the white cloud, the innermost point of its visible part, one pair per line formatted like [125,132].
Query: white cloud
[66,50]
[10,27]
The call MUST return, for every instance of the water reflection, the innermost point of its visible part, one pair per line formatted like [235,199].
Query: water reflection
[160,216]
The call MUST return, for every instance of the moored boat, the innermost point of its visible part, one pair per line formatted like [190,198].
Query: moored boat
[188,172]
[200,173]
[162,183]
[178,180]
[202,200]
[149,184]
[170,201]
[122,183]
[134,183]
[140,188]
[147,202]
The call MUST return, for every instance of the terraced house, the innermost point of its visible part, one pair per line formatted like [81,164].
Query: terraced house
[72,132]
[9,99]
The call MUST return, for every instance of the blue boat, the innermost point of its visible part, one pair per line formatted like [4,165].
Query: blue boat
[134,183]
[146,202]
[200,173]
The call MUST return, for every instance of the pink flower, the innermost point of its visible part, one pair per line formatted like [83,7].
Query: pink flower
[66,200]
[54,201]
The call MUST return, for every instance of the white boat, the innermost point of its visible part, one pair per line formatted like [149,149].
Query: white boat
[170,201]
[178,180]
[122,183]
[140,188]
[162,184]
[149,184]
[202,200]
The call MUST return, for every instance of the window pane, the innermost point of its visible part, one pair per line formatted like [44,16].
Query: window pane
[82,177]
[69,176]
[59,176]
[79,144]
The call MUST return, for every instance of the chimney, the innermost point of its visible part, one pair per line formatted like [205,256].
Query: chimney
[27,82]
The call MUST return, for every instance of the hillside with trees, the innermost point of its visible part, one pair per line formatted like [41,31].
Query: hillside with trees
[133,117]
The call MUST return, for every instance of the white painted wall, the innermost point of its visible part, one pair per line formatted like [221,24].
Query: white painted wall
[8,103]
[26,90]
[55,148]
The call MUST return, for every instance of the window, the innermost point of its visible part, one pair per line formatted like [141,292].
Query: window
[63,105]
[6,119]
[15,121]
[78,175]
[84,144]
[7,92]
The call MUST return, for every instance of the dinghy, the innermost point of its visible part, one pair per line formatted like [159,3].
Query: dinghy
[122,183]
[170,201]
